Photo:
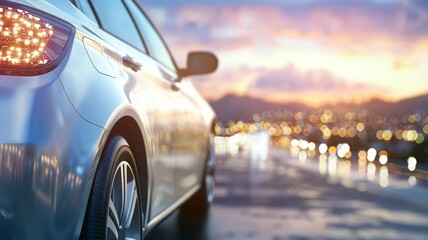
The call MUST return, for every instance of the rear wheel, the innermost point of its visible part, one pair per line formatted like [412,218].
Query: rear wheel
[114,206]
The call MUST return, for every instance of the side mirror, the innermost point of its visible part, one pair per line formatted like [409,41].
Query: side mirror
[199,63]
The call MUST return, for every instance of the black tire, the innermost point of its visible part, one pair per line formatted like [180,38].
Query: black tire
[199,204]
[114,205]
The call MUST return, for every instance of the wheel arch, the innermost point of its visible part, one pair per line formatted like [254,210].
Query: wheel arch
[128,128]
[125,122]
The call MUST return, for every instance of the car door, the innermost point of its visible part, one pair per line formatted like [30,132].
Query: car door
[192,146]
[189,138]
[148,87]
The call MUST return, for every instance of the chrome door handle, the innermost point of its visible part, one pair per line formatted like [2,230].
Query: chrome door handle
[131,63]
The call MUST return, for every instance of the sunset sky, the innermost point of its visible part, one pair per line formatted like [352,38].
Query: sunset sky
[311,51]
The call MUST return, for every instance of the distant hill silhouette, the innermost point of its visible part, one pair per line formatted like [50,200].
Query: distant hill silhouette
[398,108]
[233,107]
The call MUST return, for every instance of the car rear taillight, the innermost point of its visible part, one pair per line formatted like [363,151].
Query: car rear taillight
[31,42]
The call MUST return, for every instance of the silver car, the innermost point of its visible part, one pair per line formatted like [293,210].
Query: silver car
[101,134]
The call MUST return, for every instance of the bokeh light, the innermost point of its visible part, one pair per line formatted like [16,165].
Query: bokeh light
[411,163]
[371,154]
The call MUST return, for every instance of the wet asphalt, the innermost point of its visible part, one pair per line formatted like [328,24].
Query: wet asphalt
[281,197]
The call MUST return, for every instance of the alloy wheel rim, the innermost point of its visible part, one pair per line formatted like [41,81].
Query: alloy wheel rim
[123,220]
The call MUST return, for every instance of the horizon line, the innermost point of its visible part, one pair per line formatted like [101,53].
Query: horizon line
[322,104]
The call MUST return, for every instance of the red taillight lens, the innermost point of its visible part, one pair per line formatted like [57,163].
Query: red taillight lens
[31,43]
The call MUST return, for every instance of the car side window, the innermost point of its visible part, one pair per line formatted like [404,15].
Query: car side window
[85,8]
[154,42]
[115,19]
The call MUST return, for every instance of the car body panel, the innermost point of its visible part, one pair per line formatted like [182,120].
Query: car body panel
[192,141]
[54,127]
[45,173]
[154,96]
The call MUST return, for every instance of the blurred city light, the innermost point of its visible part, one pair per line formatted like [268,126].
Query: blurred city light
[323,148]
[371,154]
[339,140]
[383,157]
[411,163]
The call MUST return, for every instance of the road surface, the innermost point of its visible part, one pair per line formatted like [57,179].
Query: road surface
[281,197]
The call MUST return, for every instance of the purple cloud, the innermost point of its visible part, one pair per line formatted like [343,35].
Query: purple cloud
[290,79]
[230,24]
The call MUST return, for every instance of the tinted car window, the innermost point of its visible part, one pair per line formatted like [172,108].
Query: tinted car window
[156,47]
[115,19]
[85,8]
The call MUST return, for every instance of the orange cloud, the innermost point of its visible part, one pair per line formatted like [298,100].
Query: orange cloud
[357,46]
